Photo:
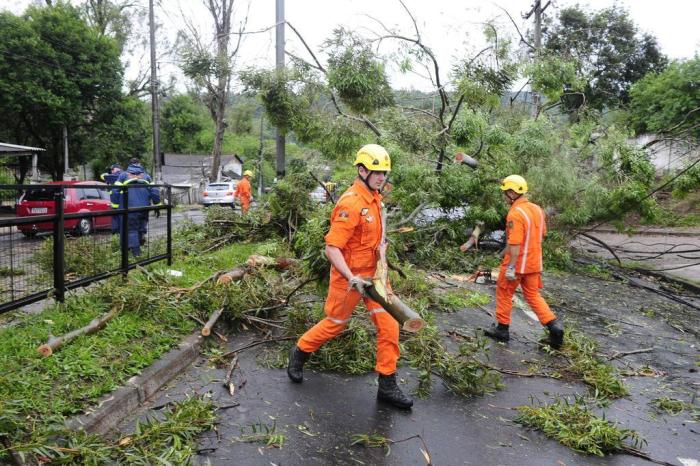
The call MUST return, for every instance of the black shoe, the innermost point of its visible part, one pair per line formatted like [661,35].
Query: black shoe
[295,368]
[556,333]
[498,332]
[391,393]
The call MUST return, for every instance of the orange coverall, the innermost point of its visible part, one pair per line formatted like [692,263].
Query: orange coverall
[243,191]
[356,229]
[525,226]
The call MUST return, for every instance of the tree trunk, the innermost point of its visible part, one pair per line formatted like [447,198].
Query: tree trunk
[206,330]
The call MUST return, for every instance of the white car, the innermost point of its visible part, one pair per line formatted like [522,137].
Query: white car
[220,194]
[319,195]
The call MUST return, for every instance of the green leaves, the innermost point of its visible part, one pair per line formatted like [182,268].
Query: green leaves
[574,425]
[356,73]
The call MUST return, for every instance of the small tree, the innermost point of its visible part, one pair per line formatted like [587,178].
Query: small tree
[212,71]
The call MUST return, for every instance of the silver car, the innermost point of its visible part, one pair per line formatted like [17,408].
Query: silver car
[220,194]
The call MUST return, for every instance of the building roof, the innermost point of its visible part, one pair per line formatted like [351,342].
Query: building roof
[15,150]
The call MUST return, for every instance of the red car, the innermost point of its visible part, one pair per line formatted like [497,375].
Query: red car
[39,201]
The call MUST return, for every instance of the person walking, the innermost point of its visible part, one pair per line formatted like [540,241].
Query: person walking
[522,263]
[142,195]
[353,246]
[244,191]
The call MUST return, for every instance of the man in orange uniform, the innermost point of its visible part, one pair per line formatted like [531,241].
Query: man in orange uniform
[522,263]
[243,191]
[353,246]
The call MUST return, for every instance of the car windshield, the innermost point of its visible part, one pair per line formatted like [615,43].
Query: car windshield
[218,187]
[39,194]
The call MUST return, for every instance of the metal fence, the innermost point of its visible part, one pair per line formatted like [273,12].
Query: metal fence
[64,236]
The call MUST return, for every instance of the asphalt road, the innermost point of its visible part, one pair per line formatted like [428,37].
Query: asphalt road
[319,417]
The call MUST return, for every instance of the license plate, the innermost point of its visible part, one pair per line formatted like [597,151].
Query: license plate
[39,210]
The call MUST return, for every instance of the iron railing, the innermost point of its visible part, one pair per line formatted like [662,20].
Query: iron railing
[44,255]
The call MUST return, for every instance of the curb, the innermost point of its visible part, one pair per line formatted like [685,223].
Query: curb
[116,406]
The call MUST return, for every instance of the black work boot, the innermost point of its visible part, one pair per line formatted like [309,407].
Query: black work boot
[295,368]
[556,333]
[390,392]
[498,332]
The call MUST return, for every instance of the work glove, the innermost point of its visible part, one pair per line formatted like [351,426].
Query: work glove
[359,284]
[510,273]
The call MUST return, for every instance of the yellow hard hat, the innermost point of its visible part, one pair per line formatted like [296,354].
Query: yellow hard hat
[515,182]
[247,173]
[374,157]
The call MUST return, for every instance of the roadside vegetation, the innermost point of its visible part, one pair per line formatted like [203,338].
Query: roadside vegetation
[572,145]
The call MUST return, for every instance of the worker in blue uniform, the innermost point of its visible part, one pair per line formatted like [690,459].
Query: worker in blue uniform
[140,194]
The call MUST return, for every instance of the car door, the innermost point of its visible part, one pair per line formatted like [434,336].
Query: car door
[94,202]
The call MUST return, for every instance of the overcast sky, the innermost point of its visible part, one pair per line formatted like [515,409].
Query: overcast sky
[452,28]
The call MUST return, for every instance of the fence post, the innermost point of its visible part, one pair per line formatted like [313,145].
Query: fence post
[169,219]
[124,230]
[59,242]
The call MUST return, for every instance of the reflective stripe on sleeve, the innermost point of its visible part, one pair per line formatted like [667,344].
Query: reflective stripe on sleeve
[376,311]
[527,239]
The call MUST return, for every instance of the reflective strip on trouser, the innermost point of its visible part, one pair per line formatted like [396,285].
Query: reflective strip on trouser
[530,284]
[339,306]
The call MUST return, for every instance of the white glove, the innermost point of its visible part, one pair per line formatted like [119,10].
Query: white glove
[510,273]
[359,284]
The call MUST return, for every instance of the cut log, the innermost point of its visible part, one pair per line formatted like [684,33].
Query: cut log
[279,263]
[232,275]
[407,318]
[95,324]
[206,330]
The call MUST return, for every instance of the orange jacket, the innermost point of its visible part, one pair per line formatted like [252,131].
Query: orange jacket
[243,189]
[356,228]
[525,226]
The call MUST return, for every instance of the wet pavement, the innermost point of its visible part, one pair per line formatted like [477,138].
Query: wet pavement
[672,252]
[319,417]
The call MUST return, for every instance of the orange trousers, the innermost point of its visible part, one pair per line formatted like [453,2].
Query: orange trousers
[338,308]
[245,204]
[531,283]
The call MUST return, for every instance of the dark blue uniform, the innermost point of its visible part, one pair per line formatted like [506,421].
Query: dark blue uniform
[112,180]
[142,195]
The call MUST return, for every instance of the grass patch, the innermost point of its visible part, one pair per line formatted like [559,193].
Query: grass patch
[171,440]
[37,393]
[584,362]
[455,300]
[574,425]
[11,272]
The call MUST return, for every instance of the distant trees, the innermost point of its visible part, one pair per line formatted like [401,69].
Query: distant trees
[609,51]
[668,102]
[56,71]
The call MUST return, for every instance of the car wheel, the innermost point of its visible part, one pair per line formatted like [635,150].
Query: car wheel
[84,226]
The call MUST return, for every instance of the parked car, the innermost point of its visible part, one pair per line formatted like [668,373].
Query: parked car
[40,201]
[220,193]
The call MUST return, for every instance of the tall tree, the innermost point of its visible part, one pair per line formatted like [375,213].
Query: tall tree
[55,72]
[212,71]
[668,102]
[610,51]
[183,119]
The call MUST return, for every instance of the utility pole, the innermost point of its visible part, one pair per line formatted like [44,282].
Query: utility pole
[279,65]
[155,108]
[66,165]
[537,10]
